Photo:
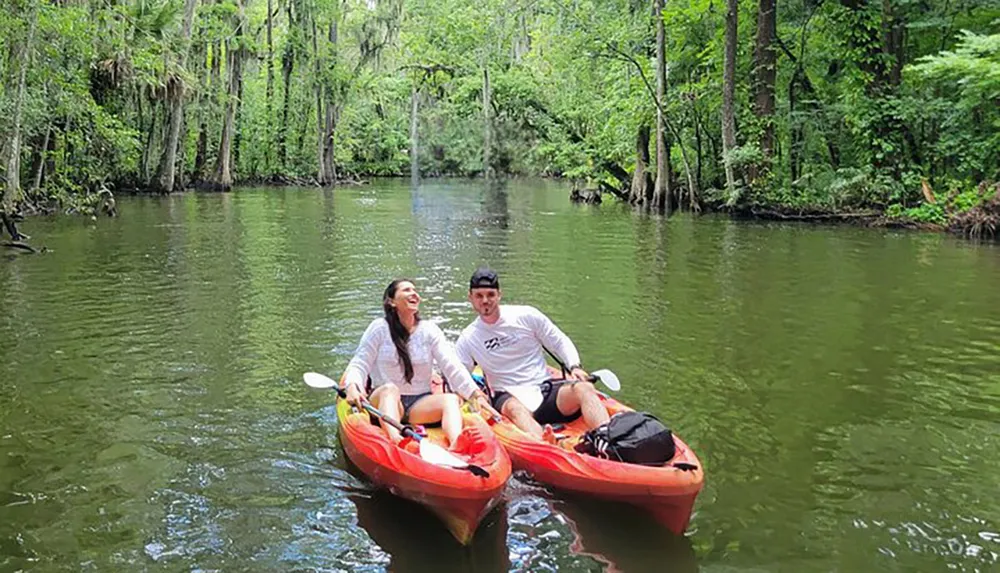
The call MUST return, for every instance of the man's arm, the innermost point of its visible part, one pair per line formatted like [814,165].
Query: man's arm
[557,342]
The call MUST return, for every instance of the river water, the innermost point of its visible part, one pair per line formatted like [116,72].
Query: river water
[841,385]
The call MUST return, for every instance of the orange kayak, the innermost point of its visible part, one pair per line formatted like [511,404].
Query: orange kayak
[668,491]
[458,497]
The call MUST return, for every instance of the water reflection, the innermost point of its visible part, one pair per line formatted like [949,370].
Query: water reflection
[416,541]
[623,538]
[495,210]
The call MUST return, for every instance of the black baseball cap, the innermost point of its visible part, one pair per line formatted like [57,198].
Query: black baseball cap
[484,278]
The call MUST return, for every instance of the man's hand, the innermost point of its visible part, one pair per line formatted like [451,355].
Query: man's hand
[579,374]
[355,395]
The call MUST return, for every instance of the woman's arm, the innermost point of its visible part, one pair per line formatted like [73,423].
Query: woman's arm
[457,374]
[363,362]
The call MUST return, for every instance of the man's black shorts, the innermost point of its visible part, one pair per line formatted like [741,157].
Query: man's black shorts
[548,411]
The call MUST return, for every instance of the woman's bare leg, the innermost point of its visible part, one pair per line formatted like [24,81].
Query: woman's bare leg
[444,408]
[386,399]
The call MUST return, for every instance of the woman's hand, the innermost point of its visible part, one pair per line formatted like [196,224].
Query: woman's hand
[355,395]
[480,403]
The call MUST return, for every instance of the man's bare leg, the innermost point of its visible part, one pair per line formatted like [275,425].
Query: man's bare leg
[582,396]
[523,419]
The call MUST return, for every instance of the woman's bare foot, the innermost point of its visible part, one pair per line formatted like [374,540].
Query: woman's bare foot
[549,435]
[410,445]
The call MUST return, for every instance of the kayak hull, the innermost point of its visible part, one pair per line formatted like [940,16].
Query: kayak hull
[668,492]
[460,499]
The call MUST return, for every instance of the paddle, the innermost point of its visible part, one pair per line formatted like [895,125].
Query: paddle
[604,376]
[429,451]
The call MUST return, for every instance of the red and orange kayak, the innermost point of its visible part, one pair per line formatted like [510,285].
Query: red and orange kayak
[668,491]
[458,497]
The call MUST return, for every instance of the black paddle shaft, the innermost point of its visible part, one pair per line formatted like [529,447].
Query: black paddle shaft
[404,430]
[565,371]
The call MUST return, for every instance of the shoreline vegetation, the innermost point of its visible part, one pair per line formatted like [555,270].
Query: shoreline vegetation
[981,221]
[872,113]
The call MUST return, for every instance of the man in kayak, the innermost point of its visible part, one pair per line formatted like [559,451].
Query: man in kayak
[507,342]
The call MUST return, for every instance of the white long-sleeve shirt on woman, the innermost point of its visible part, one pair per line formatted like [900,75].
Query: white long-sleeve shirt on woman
[510,350]
[377,357]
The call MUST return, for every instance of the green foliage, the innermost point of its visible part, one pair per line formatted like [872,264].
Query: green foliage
[924,213]
[973,68]
[571,89]
[961,95]
[959,201]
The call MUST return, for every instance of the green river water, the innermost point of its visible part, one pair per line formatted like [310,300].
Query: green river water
[841,385]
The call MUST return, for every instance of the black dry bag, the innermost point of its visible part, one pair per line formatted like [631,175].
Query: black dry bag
[630,437]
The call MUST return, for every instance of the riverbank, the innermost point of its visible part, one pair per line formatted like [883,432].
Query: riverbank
[973,214]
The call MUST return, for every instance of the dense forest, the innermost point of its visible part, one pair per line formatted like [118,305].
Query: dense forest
[835,106]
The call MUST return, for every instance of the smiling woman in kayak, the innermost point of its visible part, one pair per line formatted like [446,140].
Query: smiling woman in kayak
[398,352]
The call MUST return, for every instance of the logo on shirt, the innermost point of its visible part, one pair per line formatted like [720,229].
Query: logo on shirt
[498,342]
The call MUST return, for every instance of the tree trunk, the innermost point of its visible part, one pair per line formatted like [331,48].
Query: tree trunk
[764,75]
[642,182]
[487,126]
[522,37]
[332,113]
[12,190]
[182,179]
[201,152]
[269,92]
[795,129]
[320,167]
[43,152]
[697,139]
[237,122]
[893,47]
[800,83]
[207,86]
[414,133]
[287,65]
[175,103]
[671,183]
[728,98]
[223,176]
[147,151]
[692,181]
[329,165]
[223,180]
[207,98]
[661,196]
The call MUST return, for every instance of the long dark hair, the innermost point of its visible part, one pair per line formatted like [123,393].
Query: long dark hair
[399,334]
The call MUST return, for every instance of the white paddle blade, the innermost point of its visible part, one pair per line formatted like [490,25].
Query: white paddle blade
[435,454]
[317,380]
[530,396]
[608,378]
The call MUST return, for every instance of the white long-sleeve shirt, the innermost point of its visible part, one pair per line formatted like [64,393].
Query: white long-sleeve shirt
[376,356]
[510,350]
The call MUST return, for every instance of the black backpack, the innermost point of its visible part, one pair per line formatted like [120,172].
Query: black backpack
[630,437]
